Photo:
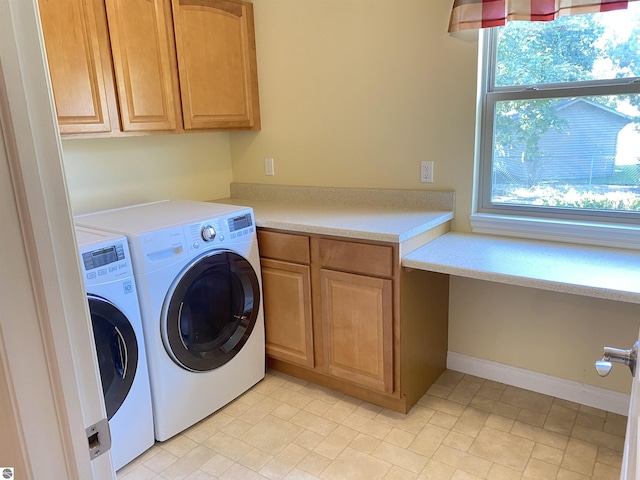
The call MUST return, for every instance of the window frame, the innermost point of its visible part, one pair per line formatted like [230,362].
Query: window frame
[488,96]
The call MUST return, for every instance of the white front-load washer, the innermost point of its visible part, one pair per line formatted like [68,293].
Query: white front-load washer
[117,330]
[197,270]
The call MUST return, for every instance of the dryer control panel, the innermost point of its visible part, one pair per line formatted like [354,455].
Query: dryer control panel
[103,256]
[105,263]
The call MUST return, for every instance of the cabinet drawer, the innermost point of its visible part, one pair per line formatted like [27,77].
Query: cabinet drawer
[284,246]
[357,257]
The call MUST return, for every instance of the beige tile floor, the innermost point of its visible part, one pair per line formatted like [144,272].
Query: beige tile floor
[464,428]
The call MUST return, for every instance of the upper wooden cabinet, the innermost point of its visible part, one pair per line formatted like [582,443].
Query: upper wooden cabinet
[216,47]
[77,62]
[144,62]
[177,65]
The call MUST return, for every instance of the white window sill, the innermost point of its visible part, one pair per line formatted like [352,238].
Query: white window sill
[585,233]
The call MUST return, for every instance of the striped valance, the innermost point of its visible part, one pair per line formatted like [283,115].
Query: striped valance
[474,14]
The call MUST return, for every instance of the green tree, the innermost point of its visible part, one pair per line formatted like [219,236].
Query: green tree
[570,49]
[561,51]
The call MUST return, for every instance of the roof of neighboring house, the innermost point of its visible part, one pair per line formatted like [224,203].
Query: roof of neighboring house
[563,104]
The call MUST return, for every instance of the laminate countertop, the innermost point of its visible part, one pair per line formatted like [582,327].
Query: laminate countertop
[366,214]
[608,273]
[410,215]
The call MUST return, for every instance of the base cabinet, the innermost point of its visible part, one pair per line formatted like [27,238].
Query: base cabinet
[357,328]
[337,313]
[287,298]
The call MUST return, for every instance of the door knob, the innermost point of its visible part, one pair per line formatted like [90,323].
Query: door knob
[627,357]
[603,367]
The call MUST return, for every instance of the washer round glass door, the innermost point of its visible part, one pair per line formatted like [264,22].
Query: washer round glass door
[117,351]
[210,311]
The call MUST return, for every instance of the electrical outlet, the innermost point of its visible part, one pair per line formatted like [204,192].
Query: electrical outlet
[268,167]
[426,172]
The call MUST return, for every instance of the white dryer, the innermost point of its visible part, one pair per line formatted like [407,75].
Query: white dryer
[117,328]
[197,269]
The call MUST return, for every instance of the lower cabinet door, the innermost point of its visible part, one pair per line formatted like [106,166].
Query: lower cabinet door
[357,322]
[287,311]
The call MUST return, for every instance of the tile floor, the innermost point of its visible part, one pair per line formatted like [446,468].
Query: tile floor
[464,428]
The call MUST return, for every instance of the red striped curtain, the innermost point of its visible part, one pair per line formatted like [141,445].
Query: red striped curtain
[474,14]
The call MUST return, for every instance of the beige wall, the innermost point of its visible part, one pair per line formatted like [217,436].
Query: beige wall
[112,172]
[553,333]
[356,93]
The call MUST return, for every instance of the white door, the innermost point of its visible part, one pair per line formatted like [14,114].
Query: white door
[49,379]
[630,458]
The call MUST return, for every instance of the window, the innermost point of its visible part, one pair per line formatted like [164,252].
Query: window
[560,119]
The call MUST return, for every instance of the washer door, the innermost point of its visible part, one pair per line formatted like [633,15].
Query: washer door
[117,349]
[210,311]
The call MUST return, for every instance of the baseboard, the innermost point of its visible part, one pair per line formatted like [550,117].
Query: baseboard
[589,395]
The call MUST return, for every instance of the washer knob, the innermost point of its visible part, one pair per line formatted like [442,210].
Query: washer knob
[208,233]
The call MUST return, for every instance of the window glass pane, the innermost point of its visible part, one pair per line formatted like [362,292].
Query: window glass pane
[574,152]
[570,49]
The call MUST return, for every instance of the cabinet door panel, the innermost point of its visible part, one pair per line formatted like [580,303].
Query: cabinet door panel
[287,311]
[75,65]
[357,322]
[144,63]
[215,44]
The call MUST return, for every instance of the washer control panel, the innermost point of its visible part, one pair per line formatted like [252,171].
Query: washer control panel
[203,234]
[218,231]
[240,223]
